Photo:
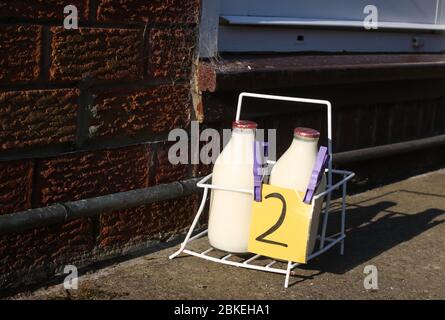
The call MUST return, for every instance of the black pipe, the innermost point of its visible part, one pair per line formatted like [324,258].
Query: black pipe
[63,212]
[388,150]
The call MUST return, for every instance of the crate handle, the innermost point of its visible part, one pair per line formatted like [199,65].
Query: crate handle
[300,100]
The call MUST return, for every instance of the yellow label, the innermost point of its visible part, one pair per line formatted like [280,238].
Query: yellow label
[280,226]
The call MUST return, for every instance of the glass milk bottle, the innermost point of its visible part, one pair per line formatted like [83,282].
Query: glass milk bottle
[230,212]
[293,171]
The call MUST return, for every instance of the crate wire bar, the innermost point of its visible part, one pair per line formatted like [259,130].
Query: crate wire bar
[326,242]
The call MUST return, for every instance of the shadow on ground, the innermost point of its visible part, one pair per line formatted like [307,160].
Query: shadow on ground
[369,236]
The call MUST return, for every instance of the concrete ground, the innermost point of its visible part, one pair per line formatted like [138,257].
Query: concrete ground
[397,228]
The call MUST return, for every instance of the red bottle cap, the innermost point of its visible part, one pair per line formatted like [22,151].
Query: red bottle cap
[244,124]
[307,133]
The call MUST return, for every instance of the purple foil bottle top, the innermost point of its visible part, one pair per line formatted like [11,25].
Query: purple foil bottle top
[317,174]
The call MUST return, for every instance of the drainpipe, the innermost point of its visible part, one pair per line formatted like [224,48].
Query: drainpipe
[63,212]
[388,150]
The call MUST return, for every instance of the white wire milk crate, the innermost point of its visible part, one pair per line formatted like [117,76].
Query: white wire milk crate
[326,242]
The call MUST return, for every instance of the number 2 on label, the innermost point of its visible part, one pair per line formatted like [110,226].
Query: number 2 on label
[277,225]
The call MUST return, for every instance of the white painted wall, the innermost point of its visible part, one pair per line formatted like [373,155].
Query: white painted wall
[417,11]
[216,38]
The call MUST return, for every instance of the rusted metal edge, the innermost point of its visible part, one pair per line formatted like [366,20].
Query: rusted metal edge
[284,71]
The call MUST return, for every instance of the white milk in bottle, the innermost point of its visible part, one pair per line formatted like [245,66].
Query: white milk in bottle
[293,171]
[230,212]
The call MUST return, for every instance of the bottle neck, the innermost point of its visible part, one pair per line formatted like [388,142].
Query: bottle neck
[241,134]
[242,131]
[239,149]
[305,145]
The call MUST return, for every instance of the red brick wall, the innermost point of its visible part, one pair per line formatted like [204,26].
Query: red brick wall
[85,113]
